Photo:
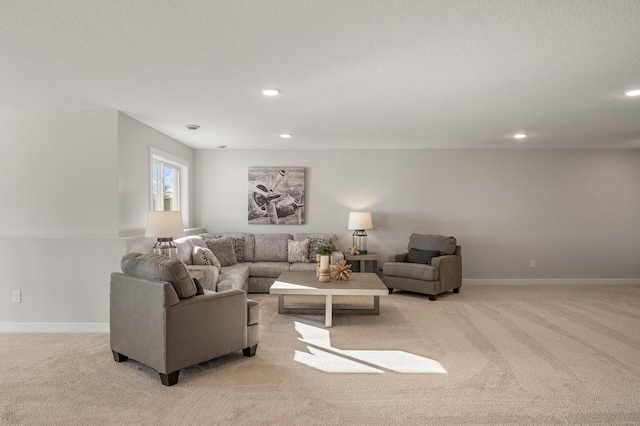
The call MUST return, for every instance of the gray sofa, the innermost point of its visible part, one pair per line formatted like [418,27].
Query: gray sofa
[260,259]
[159,317]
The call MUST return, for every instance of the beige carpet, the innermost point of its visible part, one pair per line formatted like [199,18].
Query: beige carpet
[489,355]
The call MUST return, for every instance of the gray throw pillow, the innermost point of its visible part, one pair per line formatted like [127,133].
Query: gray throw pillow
[238,247]
[204,256]
[313,245]
[224,250]
[298,251]
[421,256]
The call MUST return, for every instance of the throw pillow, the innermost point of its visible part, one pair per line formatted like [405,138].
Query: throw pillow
[238,247]
[298,251]
[313,245]
[223,249]
[200,290]
[204,256]
[421,256]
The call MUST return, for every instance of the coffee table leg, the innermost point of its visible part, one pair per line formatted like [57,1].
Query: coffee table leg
[328,311]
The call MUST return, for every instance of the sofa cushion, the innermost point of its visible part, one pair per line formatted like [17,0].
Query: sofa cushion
[272,247]
[223,249]
[204,256]
[415,271]
[234,277]
[162,268]
[268,269]
[421,256]
[446,245]
[298,251]
[303,267]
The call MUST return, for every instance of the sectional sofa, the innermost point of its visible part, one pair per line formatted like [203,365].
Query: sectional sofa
[258,258]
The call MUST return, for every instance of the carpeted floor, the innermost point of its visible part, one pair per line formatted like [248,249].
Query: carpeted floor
[487,356]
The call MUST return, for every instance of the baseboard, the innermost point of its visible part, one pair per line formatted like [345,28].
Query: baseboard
[560,281]
[54,327]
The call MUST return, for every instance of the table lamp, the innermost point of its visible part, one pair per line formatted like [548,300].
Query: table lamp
[359,221]
[164,226]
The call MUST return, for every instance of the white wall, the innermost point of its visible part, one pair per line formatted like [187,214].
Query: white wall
[576,212]
[49,165]
[76,183]
[134,143]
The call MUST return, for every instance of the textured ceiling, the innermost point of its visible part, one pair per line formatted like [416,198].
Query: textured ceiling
[353,73]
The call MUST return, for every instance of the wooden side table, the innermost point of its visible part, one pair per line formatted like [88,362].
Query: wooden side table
[374,257]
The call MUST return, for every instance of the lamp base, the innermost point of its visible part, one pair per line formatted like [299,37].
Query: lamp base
[165,247]
[360,240]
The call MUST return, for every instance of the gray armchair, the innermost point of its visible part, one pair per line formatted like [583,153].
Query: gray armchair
[159,317]
[432,265]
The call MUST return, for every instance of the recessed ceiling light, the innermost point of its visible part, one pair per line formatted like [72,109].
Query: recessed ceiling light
[520,135]
[633,92]
[270,92]
[192,126]
[285,135]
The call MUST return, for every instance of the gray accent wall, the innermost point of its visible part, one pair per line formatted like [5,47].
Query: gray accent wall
[575,212]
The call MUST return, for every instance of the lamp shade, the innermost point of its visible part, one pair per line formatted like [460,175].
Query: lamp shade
[162,224]
[360,220]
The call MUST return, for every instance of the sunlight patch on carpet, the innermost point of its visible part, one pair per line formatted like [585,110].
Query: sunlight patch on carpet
[322,356]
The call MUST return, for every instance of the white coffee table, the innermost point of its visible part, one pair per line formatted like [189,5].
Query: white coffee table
[306,283]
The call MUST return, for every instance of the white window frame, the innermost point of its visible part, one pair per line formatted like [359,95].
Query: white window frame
[183,180]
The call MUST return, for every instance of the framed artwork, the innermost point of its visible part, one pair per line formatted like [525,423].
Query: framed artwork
[276,195]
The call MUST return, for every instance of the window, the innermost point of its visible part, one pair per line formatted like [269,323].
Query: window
[168,183]
[166,186]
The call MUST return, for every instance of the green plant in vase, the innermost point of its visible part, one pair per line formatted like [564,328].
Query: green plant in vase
[323,252]
[324,249]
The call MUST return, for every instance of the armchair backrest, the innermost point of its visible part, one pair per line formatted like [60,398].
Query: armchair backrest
[445,245]
[160,268]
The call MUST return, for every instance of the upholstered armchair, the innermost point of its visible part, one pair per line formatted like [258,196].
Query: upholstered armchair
[432,265]
[162,318]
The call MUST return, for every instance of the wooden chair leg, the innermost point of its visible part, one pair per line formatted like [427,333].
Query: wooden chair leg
[169,379]
[118,357]
[456,290]
[250,351]
[390,290]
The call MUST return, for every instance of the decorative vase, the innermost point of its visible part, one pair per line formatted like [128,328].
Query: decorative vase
[317,265]
[324,275]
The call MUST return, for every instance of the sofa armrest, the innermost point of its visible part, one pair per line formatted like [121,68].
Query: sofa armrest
[449,271]
[206,274]
[399,257]
[336,256]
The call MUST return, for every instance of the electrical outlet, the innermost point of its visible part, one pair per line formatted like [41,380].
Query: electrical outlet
[17,296]
[533,263]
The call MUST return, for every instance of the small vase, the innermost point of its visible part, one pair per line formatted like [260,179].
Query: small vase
[324,269]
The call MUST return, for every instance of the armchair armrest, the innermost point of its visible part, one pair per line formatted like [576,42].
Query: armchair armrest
[449,271]
[399,257]
[205,327]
